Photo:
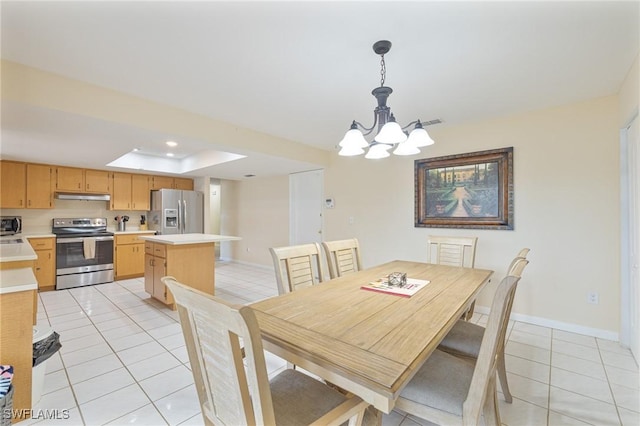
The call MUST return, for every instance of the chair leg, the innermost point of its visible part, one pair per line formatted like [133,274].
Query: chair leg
[490,410]
[467,315]
[502,375]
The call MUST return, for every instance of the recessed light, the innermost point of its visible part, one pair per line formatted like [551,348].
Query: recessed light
[169,154]
[172,143]
[136,149]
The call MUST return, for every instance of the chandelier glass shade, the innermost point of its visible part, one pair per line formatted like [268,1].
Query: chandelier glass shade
[390,133]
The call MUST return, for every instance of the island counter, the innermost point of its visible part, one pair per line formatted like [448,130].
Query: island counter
[190,258]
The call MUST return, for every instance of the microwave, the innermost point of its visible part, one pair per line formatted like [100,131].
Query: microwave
[10,225]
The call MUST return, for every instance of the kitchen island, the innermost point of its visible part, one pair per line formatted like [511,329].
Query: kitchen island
[190,258]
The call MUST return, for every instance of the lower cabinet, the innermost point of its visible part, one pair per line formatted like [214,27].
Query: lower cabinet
[190,264]
[129,256]
[44,267]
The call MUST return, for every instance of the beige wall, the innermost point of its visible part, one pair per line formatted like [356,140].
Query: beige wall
[262,218]
[566,177]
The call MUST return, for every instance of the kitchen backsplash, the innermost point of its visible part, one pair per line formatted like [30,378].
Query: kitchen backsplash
[39,220]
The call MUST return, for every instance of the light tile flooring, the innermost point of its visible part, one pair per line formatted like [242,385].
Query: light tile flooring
[123,361]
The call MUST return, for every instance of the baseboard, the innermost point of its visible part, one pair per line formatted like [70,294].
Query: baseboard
[255,265]
[559,325]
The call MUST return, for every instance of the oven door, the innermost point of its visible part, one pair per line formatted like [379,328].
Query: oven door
[77,255]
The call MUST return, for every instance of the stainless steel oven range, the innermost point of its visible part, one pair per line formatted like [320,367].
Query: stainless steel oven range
[84,252]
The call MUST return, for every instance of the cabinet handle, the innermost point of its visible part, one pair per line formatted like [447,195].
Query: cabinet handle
[29,202]
[79,185]
[20,202]
[49,255]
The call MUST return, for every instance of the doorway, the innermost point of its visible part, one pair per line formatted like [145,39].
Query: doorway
[305,203]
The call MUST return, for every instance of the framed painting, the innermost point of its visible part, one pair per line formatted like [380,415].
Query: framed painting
[473,190]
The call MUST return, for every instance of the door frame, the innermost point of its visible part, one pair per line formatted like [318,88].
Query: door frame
[628,171]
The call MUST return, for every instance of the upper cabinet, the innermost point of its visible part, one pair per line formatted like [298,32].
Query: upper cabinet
[71,179]
[26,185]
[13,185]
[168,182]
[130,192]
[39,186]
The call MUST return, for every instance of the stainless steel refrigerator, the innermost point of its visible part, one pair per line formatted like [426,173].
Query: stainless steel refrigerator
[174,211]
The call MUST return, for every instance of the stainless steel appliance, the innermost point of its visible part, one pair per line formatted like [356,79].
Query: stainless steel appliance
[176,212]
[10,225]
[84,252]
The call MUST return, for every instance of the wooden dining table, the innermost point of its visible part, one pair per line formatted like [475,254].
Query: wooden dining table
[368,343]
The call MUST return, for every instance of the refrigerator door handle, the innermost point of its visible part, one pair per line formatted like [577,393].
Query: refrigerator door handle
[184,215]
[180,219]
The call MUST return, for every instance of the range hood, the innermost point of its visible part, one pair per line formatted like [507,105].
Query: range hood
[85,197]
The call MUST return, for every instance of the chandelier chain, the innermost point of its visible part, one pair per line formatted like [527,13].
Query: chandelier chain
[383,71]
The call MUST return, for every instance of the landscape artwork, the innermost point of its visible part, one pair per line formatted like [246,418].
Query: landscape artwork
[473,190]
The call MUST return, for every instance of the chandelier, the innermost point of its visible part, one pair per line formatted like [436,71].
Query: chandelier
[390,133]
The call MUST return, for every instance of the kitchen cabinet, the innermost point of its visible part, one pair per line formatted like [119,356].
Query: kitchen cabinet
[192,264]
[130,192]
[168,182]
[44,267]
[97,181]
[155,267]
[13,183]
[39,186]
[72,179]
[140,195]
[26,185]
[129,256]
[183,183]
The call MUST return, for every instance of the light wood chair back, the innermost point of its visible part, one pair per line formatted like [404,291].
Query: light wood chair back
[452,251]
[213,329]
[485,370]
[297,266]
[343,256]
[481,395]
[228,365]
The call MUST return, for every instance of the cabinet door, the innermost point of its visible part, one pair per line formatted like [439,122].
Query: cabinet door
[44,270]
[39,186]
[159,271]
[96,181]
[140,192]
[129,260]
[69,179]
[121,193]
[148,273]
[13,181]
[183,183]
[161,182]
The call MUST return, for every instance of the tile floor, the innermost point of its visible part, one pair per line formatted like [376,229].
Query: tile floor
[123,361]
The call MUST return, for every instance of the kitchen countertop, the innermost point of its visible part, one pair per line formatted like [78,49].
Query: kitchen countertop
[16,252]
[179,239]
[14,280]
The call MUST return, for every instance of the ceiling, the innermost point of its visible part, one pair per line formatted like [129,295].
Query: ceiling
[303,70]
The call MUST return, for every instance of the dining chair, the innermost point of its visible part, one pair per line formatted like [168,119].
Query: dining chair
[453,251]
[343,256]
[232,393]
[451,390]
[297,266]
[465,338]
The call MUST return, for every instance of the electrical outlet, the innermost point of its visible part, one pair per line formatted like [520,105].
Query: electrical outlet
[593,298]
[352,220]
[248,249]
